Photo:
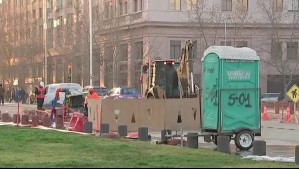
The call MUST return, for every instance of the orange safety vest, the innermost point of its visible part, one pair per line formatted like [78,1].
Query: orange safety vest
[41,93]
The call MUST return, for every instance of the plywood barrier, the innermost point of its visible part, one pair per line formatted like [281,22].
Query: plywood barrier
[186,111]
[94,113]
[133,113]
[155,114]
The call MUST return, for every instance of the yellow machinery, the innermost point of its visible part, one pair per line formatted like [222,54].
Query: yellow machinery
[172,79]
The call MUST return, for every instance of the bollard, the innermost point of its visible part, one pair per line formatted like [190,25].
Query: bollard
[143,134]
[123,130]
[25,119]
[165,135]
[192,140]
[6,117]
[58,123]
[87,127]
[297,154]
[46,122]
[104,128]
[16,118]
[259,148]
[223,144]
[207,138]
[35,121]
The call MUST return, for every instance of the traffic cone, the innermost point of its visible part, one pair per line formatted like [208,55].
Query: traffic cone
[265,114]
[288,116]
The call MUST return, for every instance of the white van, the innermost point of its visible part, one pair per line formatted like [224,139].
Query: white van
[51,90]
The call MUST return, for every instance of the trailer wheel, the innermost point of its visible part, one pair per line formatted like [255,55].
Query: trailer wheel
[244,140]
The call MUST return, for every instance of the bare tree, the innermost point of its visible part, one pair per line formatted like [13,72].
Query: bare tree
[74,40]
[283,44]
[210,23]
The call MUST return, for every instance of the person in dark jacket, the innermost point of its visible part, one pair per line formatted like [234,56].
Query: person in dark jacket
[2,92]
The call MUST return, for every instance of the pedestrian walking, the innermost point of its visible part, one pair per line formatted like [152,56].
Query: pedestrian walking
[40,95]
[2,92]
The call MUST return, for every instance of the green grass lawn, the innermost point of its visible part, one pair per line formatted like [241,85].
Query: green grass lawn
[23,147]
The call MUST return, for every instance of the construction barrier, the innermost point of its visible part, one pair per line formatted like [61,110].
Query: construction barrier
[155,114]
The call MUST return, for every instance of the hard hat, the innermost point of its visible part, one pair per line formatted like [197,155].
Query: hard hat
[91,90]
[42,84]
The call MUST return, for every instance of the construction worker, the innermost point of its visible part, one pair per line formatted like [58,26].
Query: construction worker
[54,104]
[40,95]
[2,91]
[92,95]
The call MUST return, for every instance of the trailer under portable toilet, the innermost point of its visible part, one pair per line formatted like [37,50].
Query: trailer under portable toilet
[230,95]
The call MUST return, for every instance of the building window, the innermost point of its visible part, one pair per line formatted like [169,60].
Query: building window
[121,7]
[69,20]
[293,5]
[226,5]
[276,50]
[40,12]
[139,50]
[126,7]
[124,52]
[175,5]
[277,5]
[135,5]
[123,70]
[140,5]
[59,4]
[108,10]
[191,4]
[175,49]
[243,5]
[109,66]
[34,14]
[69,3]
[228,43]
[292,50]
[241,44]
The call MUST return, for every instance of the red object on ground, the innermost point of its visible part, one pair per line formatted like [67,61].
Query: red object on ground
[265,114]
[176,142]
[76,122]
[132,135]
[288,116]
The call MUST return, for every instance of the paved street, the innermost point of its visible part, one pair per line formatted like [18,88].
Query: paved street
[281,138]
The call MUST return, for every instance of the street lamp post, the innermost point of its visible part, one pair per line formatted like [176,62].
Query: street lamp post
[225,33]
[90,39]
[45,37]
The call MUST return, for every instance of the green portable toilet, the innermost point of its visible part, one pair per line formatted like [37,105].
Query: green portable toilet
[230,93]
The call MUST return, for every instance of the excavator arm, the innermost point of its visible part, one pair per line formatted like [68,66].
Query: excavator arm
[184,71]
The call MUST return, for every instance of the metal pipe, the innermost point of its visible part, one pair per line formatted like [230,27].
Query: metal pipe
[225,33]
[90,45]
[45,36]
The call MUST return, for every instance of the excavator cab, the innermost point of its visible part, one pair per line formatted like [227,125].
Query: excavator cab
[163,80]
[173,79]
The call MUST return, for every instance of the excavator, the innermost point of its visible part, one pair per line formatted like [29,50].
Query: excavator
[173,79]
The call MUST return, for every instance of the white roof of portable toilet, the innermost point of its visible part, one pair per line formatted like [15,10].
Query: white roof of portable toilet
[229,52]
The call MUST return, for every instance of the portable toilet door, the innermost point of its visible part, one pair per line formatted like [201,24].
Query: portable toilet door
[210,93]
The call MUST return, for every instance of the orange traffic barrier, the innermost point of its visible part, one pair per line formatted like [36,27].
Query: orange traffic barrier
[265,114]
[76,122]
[288,116]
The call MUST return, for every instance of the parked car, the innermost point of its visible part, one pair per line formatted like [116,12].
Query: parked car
[101,91]
[270,97]
[71,89]
[126,92]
